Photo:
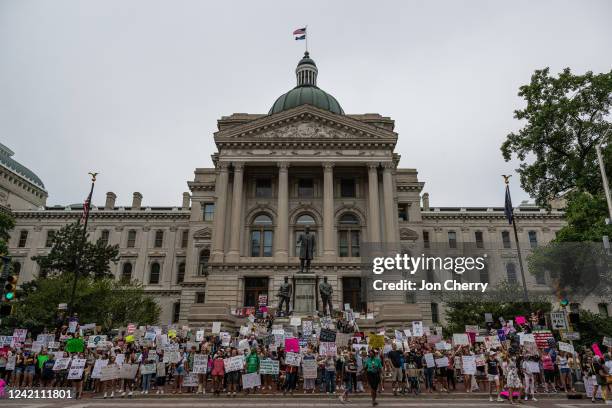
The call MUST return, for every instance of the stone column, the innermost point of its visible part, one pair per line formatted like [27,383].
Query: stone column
[373,203]
[220,207]
[390,210]
[329,250]
[282,230]
[233,254]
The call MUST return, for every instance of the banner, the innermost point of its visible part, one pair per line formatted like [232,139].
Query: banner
[251,380]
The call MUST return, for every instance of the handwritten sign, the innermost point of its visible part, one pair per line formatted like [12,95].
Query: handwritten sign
[309,368]
[109,372]
[429,360]
[251,380]
[235,363]
[417,329]
[268,366]
[76,369]
[376,341]
[61,364]
[461,339]
[293,359]
[200,364]
[469,365]
[568,348]
[327,335]
[328,349]
[128,371]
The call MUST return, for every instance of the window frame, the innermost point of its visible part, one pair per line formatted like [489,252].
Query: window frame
[263,231]
[151,273]
[352,232]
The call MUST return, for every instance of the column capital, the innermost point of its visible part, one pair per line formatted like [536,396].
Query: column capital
[328,166]
[222,165]
[238,166]
[388,165]
[283,165]
[372,165]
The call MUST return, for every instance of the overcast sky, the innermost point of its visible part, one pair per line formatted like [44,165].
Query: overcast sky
[133,89]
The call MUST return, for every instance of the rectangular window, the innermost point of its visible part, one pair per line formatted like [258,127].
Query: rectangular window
[200,297]
[176,312]
[253,288]
[347,188]
[351,293]
[452,239]
[104,236]
[263,188]
[603,309]
[402,212]
[343,243]
[185,239]
[159,239]
[255,243]
[484,274]
[305,188]
[209,211]
[49,240]
[479,239]
[131,241]
[426,243]
[506,239]
[533,239]
[435,314]
[267,244]
[23,238]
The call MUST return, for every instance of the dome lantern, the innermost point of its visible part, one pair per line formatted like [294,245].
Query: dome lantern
[306,71]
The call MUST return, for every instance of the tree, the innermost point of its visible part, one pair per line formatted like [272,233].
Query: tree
[68,244]
[585,215]
[103,301]
[462,310]
[7,223]
[592,328]
[565,117]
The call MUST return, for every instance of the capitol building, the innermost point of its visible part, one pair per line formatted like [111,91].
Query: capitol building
[305,163]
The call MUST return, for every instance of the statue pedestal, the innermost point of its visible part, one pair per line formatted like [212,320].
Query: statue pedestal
[305,293]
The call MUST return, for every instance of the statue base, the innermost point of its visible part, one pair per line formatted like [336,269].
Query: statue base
[305,301]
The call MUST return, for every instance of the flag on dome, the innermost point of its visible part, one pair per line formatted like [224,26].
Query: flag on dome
[300,33]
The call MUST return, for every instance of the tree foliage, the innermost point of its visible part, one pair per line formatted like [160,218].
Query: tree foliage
[7,223]
[586,218]
[103,301]
[592,328]
[565,117]
[69,244]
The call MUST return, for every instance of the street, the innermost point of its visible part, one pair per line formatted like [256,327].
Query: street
[297,401]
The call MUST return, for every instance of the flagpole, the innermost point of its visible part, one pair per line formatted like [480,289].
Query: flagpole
[306,32]
[516,239]
[87,209]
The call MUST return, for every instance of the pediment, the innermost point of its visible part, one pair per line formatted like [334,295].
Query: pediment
[305,123]
[204,233]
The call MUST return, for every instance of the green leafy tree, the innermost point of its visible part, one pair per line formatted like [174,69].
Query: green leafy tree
[69,245]
[585,215]
[565,117]
[7,223]
[103,301]
[592,328]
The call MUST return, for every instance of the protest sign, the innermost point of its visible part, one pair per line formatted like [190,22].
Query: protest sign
[109,372]
[531,348]
[190,380]
[172,357]
[461,339]
[520,320]
[376,341]
[279,336]
[244,345]
[97,370]
[442,362]
[429,360]
[200,364]
[471,329]
[226,338]
[268,366]
[216,328]
[541,338]
[488,317]
[251,380]
[6,341]
[327,349]
[76,369]
[343,339]
[119,359]
[407,333]
[568,348]
[160,369]
[292,345]
[417,329]
[295,321]
[492,342]
[36,347]
[19,335]
[399,335]
[358,347]
[244,331]
[570,335]
[235,363]
[61,364]
[150,368]
[10,363]
[480,360]
[469,365]
[128,371]
[327,335]
[309,368]
[293,359]
[306,327]
[96,340]
[526,337]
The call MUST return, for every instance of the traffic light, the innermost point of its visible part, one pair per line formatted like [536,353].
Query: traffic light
[10,286]
[564,302]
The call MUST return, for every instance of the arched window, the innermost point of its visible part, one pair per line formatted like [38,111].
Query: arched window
[126,272]
[159,239]
[131,241]
[349,235]
[511,273]
[261,236]
[303,221]
[180,275]
[203,261]
[154,274]
[506,239]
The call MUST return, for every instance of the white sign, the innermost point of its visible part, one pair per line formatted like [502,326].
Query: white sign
[97,369]
[190,380]
[607,341]
[94,341]
[109,372]
[128,371]
[295,321]
[61,364]
[557,321]
[235,363]
[309,368]
[268,366]
[293,359]
[469,365]
[76,369]
[442,362]
[417,329]
[461,339]
[251,380]
[150,368]
[10,363]
[568,348]
[429,360]
[216,327]
[200,364]
[328,349]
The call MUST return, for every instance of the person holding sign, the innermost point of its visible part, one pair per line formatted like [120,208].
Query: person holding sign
[218,372]
[46,372]
[109,385]
[373,366]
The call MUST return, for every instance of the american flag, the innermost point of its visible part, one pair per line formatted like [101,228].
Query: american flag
[86,208]
[300,31]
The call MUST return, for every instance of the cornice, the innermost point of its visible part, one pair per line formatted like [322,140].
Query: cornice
[103,215]
[436,215]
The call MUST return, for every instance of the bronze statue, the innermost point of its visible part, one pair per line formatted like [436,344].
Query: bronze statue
[284,294]
[307,248]
[326,292]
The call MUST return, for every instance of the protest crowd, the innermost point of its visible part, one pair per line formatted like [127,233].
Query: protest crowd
[510,361]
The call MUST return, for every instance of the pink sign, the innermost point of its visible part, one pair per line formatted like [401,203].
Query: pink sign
[292,345]
[520,320]
[596,350]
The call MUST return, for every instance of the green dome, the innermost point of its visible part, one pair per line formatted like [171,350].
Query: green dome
[306,95]
[12,165]
[306,92]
